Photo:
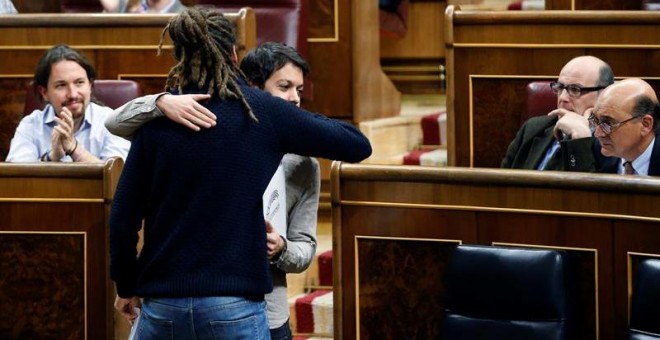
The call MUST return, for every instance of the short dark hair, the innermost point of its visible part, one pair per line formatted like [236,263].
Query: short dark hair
[605,75]
[56,54]
[260,63]
[645,105]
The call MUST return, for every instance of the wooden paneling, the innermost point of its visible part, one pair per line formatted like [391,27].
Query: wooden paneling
[599,218]
[31,6]
[424,38]
[415,61]
[628,5]
[348,80]
[43,280]
[53,227]
[490,55]
[119,47]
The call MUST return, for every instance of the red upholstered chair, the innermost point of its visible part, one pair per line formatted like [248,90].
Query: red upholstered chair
[393,17]
[112,93]
[515,6]
[540,100]
[283,21]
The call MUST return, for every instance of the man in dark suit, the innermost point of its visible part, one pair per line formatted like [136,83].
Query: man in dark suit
[626,119]
[562,140]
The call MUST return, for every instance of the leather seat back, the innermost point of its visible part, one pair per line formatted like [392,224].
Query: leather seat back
[283,21]
[645,304]
[540,100]
[509,293]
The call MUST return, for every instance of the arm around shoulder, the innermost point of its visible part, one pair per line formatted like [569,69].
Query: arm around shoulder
[127,119]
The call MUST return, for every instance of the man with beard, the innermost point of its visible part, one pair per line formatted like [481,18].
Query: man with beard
[70,128]
[562,140]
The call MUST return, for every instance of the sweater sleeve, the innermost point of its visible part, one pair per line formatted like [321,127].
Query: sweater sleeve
[126,217]
[310,134]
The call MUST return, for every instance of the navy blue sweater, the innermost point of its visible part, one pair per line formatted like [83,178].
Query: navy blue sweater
[200,194]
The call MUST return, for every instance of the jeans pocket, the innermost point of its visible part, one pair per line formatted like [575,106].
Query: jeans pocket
[151,327]
[246,328]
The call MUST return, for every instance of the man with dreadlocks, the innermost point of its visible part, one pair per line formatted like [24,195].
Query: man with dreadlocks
[202,270]
[279,70]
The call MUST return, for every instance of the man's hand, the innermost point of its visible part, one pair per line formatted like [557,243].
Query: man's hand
[186,110]
[56,150]
[65,127]
[274,243]
[126,307]
[570,125]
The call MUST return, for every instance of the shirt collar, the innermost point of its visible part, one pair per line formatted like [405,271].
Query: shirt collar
[641,163]
[146,7]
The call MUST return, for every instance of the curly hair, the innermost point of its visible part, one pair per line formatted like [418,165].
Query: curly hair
[204,42]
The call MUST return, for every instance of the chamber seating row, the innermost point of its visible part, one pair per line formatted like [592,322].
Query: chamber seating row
[493,56]
[395,229]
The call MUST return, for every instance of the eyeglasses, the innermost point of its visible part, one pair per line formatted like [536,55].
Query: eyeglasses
[573,90]
[607,127]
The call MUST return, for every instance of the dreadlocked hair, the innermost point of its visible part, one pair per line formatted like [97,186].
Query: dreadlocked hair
[203,47]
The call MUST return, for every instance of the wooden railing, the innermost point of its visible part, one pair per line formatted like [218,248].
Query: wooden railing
[491,56]
[119,46]
[394,229]
[54,280]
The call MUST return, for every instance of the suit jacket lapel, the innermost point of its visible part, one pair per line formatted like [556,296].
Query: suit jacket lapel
[539,147]
[654,164]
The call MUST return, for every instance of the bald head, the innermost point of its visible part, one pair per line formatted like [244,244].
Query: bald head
[632,95]
[583,72]
[628,90]
[589,71]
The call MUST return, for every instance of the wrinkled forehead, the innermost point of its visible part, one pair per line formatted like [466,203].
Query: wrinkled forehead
[613,105]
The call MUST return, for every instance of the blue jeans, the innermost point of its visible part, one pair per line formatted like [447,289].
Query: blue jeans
[227,317]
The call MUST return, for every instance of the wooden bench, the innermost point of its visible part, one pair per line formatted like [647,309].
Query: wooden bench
[119,46]
[55,279]
[395,227]
[491,56]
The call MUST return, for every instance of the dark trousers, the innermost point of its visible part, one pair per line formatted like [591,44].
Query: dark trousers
[281,333]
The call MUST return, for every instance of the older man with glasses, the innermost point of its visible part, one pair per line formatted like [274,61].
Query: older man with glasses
[626,121]
[563,140]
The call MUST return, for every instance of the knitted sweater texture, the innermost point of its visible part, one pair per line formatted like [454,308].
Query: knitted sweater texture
[200,194]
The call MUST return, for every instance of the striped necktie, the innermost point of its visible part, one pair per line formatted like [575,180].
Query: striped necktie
[628,168]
